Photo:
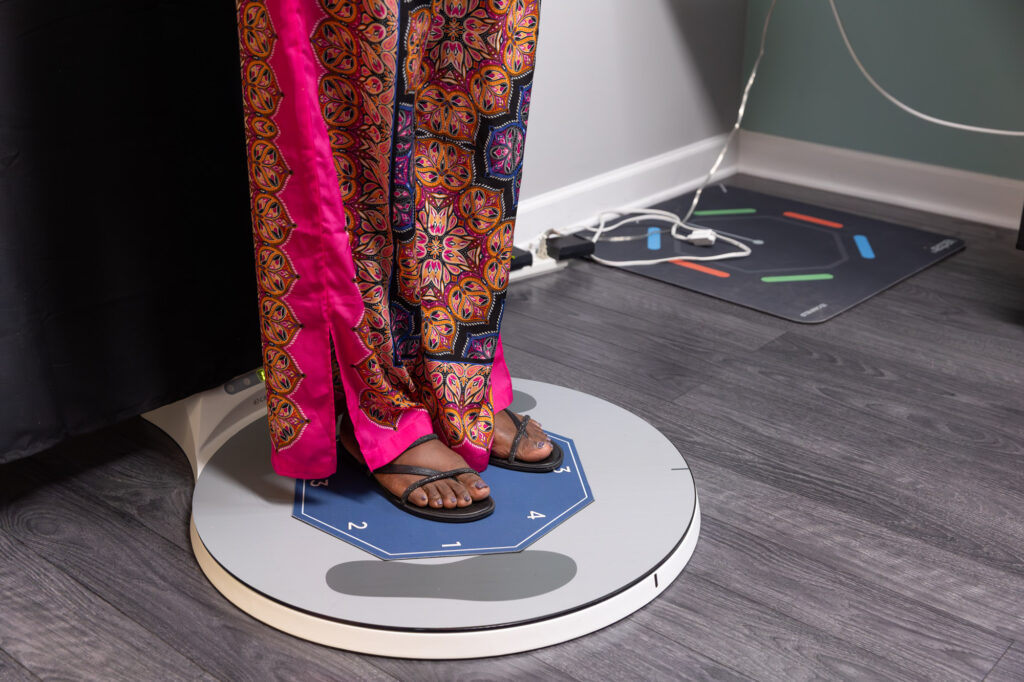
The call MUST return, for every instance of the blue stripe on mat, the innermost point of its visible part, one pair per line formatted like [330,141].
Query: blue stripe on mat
[654,238]
[864,246]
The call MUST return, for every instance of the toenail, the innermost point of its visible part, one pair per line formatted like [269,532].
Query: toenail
[467,498]
[479,485]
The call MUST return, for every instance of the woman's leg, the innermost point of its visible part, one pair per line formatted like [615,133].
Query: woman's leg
[465,81]
[294,231]
[356,47]
[322,264]
[359,161]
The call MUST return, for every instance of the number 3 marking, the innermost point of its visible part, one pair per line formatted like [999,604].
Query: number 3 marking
[564,470]
[319,484]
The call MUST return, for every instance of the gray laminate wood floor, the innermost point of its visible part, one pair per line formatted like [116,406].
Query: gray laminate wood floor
[862,487]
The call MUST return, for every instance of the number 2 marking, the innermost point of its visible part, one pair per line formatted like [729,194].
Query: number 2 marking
[356,526]
[535,515]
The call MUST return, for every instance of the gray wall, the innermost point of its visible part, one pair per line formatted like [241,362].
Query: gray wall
[619,81]
[956,59]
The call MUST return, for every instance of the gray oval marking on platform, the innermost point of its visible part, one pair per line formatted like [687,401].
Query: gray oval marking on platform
[522,402]
[490,577]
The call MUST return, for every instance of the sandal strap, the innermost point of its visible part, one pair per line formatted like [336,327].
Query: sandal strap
[392,468]
[521,425]
[405,469]
[429,475]
[437,476]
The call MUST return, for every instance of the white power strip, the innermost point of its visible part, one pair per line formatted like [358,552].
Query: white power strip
[540,266]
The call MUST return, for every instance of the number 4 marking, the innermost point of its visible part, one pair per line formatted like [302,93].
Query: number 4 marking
[535,515]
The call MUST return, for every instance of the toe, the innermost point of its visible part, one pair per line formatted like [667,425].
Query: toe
[461,494]
[475,486]
[447,494]
[435,494]
[535,445]
[419,498]
[536,451]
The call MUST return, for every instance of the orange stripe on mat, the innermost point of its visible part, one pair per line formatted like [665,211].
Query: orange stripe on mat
[701,268]
[812,219]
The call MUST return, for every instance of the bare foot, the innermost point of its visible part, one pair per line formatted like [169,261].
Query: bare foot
[533,447]
[448,493]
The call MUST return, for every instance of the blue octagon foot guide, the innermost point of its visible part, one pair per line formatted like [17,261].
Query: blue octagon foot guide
[527,507]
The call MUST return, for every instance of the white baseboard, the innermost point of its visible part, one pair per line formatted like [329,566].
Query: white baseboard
[977,197]
[962,194]
[639,184]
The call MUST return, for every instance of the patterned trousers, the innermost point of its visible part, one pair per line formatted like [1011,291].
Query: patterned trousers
[385,144]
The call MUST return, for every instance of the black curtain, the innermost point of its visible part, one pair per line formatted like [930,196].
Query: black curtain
[126,268]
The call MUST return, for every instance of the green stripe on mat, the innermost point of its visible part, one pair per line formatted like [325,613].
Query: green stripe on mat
[726,211]
[796,278]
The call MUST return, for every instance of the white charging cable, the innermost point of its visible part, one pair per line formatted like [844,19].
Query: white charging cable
[695,234]
[707,237]
[904,107]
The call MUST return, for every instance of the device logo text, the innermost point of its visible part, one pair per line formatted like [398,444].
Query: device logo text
[811,311]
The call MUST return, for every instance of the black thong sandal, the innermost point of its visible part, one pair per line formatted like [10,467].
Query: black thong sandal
[549,463]
[473,512]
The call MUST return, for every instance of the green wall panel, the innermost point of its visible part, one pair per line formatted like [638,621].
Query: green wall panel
[961,60]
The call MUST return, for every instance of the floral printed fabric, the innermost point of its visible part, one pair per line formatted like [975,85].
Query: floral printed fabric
[385,142]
